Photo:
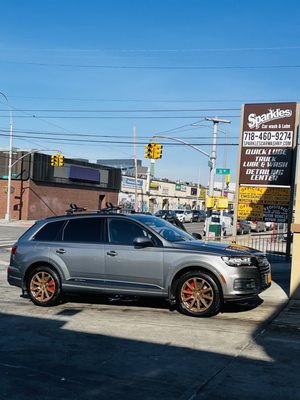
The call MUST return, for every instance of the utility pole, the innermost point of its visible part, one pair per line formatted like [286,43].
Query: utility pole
[7,215]
[212,162]
[135,171]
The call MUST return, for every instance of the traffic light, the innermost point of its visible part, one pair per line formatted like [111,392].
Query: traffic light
[61,160]
[149,150]
[227,180]
[57,160]
[54,160]
[157,152]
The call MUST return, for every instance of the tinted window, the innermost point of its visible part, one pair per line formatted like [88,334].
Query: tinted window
[50,232]
[84,230]
[164,228]
[122,231]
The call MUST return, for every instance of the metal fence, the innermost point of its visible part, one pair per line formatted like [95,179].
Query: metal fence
[273,245]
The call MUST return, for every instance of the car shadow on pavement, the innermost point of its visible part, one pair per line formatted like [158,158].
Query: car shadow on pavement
[150,302]
[46,357]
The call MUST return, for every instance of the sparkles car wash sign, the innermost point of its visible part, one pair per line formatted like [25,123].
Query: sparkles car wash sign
[267,153]
[267,144]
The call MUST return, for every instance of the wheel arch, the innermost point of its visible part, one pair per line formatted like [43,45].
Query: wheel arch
[40,264]
[183,271]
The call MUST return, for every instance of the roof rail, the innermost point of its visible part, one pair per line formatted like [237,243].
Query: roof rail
[74,209]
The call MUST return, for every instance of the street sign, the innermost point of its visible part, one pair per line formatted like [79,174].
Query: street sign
[222,171]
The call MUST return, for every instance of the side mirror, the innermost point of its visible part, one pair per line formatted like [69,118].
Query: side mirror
[142,241]
[196,235]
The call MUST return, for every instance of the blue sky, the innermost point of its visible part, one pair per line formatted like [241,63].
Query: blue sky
[114,56]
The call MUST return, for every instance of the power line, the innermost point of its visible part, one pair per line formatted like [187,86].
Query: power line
[156,100]
[121,117]
[191,50]
[124,111]
[155,67]
[114,141]
[38,132]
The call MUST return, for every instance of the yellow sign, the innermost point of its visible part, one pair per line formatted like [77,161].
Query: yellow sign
[202,193]
[222,203]
[210,202]
[249,212]
[264,195]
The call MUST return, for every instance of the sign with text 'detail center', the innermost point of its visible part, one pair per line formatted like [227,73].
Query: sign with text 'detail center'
[268,144]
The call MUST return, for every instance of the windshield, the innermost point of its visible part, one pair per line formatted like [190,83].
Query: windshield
[164,228]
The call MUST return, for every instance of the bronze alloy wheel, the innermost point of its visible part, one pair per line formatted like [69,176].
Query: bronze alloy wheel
[42,286]
[197,295]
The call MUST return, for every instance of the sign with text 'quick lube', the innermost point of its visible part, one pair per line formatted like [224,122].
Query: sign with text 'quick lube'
[267,152]
[267,144]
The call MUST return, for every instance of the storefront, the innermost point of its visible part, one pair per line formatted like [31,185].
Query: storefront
[39,190]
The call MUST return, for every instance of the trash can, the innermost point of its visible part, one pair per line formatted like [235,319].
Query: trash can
[214,231]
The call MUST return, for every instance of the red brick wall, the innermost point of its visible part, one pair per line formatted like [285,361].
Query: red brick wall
[40,201]
[17,187]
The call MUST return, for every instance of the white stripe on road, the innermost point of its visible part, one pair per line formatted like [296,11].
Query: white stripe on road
[4,262]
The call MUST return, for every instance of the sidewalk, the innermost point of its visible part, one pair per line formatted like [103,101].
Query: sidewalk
[269,363]
[25,223]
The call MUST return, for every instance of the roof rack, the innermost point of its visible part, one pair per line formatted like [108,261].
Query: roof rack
[110,208]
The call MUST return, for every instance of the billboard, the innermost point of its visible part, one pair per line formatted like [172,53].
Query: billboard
[267,144]
[267,154]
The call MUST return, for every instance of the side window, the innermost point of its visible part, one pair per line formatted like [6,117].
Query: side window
[122,231]
[50,232]
[84,230]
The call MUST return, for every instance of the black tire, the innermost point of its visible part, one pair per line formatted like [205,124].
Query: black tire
[44,287]
[202,302]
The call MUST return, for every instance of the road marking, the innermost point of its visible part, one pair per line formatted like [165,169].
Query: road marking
[7,243]
[4,262]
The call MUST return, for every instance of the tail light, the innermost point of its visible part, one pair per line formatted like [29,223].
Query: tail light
[13,249]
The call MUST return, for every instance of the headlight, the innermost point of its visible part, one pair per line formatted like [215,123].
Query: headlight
[237,261]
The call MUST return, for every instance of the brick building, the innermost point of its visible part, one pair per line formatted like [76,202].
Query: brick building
[39,190]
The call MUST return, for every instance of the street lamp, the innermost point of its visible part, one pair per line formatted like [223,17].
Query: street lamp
[7,215]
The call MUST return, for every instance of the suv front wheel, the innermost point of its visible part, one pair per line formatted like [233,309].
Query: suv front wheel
[43,287]
[198,295]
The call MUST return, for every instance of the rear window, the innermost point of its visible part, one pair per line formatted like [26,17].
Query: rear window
[50,232]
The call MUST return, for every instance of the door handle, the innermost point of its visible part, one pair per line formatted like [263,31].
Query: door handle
[60,251]
[112,253]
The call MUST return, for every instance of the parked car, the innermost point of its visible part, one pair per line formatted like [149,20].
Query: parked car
[184,215]
[168,215]
[134,254]
[199,216]
[243,227]
[258,226]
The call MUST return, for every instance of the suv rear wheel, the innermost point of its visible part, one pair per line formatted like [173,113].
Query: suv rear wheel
[43,287]
[198,295]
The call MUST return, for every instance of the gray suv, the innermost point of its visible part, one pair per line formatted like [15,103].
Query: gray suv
[136,254]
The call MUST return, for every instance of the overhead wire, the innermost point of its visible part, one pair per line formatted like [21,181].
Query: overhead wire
[154,67]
